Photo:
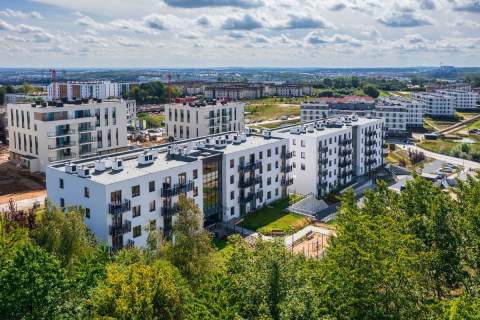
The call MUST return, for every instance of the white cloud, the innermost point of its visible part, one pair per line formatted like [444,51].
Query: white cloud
[404,19]
[9,13]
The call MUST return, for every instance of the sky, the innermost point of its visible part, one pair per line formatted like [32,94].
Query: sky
[239,33]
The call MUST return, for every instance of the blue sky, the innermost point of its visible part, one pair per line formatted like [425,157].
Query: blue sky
[216,33]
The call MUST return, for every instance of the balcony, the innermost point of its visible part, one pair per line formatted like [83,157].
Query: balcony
[119,207]
[119,229]
[248,198]
[88,128]
[287,169]
[287,155]
[169,211]
[369,153]
[323,173]
[322,185]
[324,150]
[60,133]
[370,143]
[259,195]
[250,166]
[371,134]
[63,145]
[171,191]
[62,157]
[89,152]
[287,182]
[250,182]
[370,162]
[86,140]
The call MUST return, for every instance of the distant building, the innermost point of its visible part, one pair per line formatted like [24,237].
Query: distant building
[41,134]
[3,125]
[288,90]
[198,119]
[88,89]
[463,100]
[14,98]
[437,105]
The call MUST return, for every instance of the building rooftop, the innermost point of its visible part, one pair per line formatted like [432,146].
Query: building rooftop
[57,105]
[164,157]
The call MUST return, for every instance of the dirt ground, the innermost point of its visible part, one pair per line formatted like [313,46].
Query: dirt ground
[16,183]
[313,246]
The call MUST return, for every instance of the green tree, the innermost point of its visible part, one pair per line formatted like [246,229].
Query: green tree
[465,147]
[142,291]
[371,91]
[373,269]
[192,249]
[2,95]
[63,233]
[32,285]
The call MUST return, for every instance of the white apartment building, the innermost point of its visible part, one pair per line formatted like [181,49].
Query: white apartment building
[131,111]
[44,133]
[87,89]
[199,119]
[24,98]
[437,105]
[288,90]
[463,100]
[234,92]
[328,154]
[128,193]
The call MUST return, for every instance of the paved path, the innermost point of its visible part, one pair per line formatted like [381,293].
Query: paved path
[459,125]
[467,164]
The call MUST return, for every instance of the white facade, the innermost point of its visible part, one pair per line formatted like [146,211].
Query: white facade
[87,89]
[131,111]
[327,154]
[436,104]
[46,133]
[463,100]
[186,121]
[128,193]
[288,90]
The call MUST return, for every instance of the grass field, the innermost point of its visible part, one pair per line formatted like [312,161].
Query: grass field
[438,124]
[272,108]
[399,155]
[276,218]
[446,146]
[153,120]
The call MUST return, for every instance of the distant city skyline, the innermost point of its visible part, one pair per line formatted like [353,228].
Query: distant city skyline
[239,33]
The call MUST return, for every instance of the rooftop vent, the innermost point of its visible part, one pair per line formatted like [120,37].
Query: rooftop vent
[310,128]
[248,131]
[71,168]
[100,165]
[117,165]
[209,142]
[267,134]
[303,129]
[237,139]
[295,130]
[83,172]
[220,143]
[146,158]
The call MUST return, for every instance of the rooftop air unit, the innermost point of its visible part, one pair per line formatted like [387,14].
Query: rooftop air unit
[303,129]
[310,128]
[100,166]
[267,134]
[209,142]
[145,158]
[71,168]
[83,172]
[248,131]
[295,130]
[117,165]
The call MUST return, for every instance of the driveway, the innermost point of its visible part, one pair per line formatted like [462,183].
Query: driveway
[467,164]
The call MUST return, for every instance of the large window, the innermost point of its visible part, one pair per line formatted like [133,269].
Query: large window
[212,197]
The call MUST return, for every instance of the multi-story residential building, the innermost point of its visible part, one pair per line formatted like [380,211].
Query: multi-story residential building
[3,125]
[234,91]
[88,89]
[328,154]
[463,100]
[14,98]
[288,90]
[131,111]
[437,105]
[44,133]
[126,194]
[400,115]
[198,119]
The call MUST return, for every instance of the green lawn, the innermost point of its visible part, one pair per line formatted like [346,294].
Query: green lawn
[262,110]
[276,218]
[445,146]
[153,120]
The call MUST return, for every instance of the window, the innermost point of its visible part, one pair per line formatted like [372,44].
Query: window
[232,179]
[269,181]
[260,155]
[195,174]
[136,211]
[87,213]
[276,164]
[269,152]
[152,206]
[276,151]
[269,167]
[62,202]
[151,186]
[232,211]
[232,195]
[195,192]
[294,142]
[137,231]
[276,191]
[86,192]
[232,163]
[135,191]
[302,155]
[60,183]
[302,166]
[269,195]
[302,143]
